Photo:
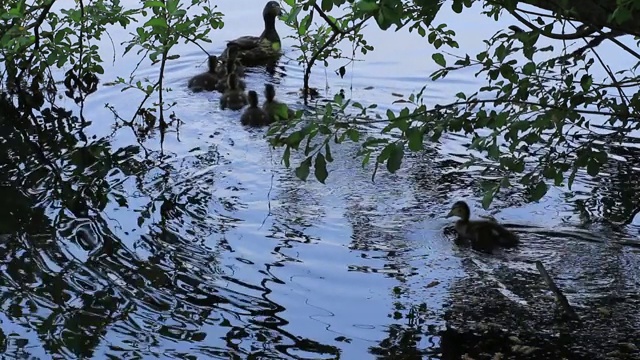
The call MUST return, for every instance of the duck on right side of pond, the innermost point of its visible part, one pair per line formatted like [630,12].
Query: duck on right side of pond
[484,235]
[259,50]
[274,108]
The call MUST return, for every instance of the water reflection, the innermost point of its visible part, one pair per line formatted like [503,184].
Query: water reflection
[115,247]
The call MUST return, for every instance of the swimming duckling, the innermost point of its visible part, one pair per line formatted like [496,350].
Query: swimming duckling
[206,81]
[257,50]
[233,97]
[484,235]
[274,108]
[253,115]
[232,57]
[222,83]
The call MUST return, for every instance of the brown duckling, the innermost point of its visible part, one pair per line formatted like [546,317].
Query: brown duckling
[233,97]
[206,81]
[253,115]
[258,50]
[222,82]
[484,235]
[232,57]
[275,109]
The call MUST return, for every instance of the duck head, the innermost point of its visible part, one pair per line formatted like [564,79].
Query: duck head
[272,9]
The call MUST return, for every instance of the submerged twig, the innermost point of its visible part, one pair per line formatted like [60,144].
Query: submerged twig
[556,291]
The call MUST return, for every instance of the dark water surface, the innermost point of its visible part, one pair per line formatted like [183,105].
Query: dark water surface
[213,249]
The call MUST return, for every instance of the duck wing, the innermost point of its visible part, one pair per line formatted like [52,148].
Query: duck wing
[486,235]
[246,42]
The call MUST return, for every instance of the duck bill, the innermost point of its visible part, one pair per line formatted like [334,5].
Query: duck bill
[450,214]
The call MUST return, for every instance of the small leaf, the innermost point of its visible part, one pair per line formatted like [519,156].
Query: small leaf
[457,6]
[487,199]
[539,191]
[586,82]
[320,168]
[328,153]
[395,158]
[302,171]
[439,59]
[367,6]
[157,21]
[286,156]
[593,167]
[342,71]
[415,136]
[353,135]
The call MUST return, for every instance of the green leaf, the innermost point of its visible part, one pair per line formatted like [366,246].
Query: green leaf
[529,68]
[353,135]
[286,156]
[157,22]
[439,59]
[593,167]
[539,190]
[302,171]
[327,5]
[457,6]
[328,153]
[367,6]
[415,136]
[586,82]
[320,168]
[487,199]
[281,111]
[395,158]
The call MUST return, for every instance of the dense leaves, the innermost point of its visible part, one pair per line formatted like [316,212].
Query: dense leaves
[544,114]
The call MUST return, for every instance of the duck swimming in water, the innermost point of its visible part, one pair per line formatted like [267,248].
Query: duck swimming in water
[484,235]
[273,107]
[253,115]
[259,50]
[233,97]
[206,81]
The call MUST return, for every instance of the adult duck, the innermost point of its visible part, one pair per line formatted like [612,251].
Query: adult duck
[206,81]
[233,97]
[484,235]
[253,115]
[275,109]
[258,50]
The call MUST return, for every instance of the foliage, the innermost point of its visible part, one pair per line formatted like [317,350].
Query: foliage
[536,122]
[35,40]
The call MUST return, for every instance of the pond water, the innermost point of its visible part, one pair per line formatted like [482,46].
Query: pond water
[206,246]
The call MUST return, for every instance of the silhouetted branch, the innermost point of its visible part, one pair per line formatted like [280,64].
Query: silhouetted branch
[554,288]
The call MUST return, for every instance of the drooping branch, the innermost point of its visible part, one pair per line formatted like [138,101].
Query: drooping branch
[337,32]
[596,13]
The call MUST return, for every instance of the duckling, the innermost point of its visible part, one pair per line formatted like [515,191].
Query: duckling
[233,97]
[253,115]
[232,57]
[222,83]
[207,80]
[273,107]
[484,235]
[257,50]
